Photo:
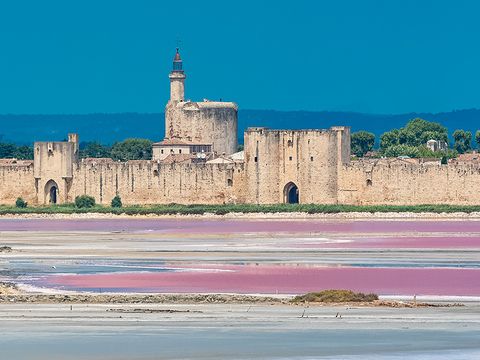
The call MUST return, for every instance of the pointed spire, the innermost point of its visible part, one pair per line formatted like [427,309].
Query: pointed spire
[177,56]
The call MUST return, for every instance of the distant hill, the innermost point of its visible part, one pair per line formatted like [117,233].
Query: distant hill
[108,128]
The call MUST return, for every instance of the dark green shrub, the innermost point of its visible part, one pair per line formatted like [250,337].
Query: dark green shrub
[84,202]
[20,203]
[117,202]
[335,296]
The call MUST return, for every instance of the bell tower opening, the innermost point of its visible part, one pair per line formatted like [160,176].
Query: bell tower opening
[291,193]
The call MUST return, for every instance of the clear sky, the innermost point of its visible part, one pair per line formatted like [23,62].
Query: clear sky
[390,56]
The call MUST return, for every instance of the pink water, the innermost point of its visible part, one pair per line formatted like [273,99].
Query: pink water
[453,247]
[283,279]
[183,226]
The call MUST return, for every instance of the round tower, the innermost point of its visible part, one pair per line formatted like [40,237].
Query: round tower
[177,79]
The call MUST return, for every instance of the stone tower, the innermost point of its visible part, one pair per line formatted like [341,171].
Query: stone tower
[206,123]
[177,79]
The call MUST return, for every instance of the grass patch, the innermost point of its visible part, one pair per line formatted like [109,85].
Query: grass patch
[334,296]
[172,209]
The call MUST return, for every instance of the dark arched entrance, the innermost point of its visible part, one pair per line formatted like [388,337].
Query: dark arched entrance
[291,193]
[51,192]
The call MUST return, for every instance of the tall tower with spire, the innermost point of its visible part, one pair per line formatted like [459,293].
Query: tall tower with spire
[202,124]
[177,79]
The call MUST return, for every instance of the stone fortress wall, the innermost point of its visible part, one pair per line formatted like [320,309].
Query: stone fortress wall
[327,179]
[150,182]
[276,166]
[16,180]
[277,160]
[137,182]
[400,182]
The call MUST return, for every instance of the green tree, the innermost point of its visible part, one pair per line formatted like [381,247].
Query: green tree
[132,149]
[7,150]
[20,203]
[402,150]
[24,152]
[389,138]
[94,150]
[462,140]
[421,131]
[362,142]
[415,134]
[84,202]
[116,202]
[477,138]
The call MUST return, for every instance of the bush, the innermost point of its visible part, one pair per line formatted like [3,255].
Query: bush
[20,203]
[84,202]
[335,296]
[117,202]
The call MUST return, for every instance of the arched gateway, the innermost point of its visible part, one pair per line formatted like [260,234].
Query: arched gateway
[51,192]
[291,193]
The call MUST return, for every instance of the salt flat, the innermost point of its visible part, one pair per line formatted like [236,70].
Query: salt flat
[401,258]
[218,331]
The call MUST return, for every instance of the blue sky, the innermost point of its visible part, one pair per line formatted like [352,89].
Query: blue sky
[114,56]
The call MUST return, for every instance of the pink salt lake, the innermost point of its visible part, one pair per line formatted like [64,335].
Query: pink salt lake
[377,235]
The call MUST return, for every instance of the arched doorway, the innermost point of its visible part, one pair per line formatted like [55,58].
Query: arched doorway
[51,192]
[291,193]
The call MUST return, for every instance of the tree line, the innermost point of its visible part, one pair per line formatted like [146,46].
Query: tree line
[411,141]
[408,141]
[130,149]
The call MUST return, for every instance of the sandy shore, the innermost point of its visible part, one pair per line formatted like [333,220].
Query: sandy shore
[10,293]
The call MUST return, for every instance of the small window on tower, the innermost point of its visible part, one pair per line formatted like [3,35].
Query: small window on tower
[290,143]
[290,158]
[311,158]
[256,159]
[161,151]
[179,151]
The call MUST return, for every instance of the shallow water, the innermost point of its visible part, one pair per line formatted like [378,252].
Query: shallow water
[218,331]
[387,257]
[426,257]
[214,226]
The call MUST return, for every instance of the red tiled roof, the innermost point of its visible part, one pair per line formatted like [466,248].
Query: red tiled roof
[178,158]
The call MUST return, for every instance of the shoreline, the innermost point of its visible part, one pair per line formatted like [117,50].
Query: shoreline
[196,299]
[255,216]
[12,293]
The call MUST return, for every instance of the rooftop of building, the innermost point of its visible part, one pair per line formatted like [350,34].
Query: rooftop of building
[206,104]
[16,162]
[266,129]
[178,158]
[469,157]
[176,142]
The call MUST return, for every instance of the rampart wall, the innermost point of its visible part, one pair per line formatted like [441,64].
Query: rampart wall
[149,182]
[399,182]
[137,182]
[17,181]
